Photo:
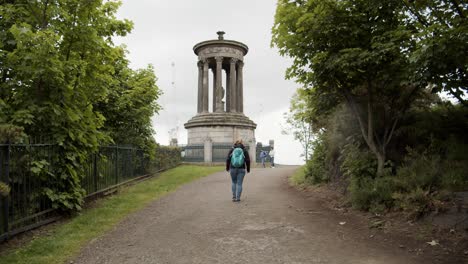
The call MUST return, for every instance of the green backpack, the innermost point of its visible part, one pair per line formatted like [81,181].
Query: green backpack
[237,158]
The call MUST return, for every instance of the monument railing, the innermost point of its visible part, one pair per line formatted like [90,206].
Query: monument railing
[220,152]
[193,153]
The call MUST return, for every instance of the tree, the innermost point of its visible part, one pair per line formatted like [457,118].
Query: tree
[57,65]
[356,52]
[130,105]
[298,123]
[441,31]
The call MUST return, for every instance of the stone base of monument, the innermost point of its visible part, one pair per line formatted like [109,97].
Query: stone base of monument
[216,132]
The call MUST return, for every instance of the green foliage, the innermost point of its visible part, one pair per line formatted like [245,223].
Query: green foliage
[4,189]
[370,194]
[11,134]
[130,105]
[366,190]
[368,69]
[454,176]
[299,177]
[440,28]
[421,170]
[414,203]
[166,157]
[422,174]
[316,169]
[417,188]
[425,175]
[356,52]
[436,156]
[58,67]
[357,163]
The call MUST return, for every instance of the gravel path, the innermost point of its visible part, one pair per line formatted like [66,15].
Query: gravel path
[272,224]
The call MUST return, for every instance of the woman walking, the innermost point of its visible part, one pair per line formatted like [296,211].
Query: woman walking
[237,163]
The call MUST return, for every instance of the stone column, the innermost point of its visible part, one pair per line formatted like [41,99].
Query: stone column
[200,87]
[208,150]
[217,87]
[253,152]
[214,90]
[228,92]
[232,81]
[205,86]
[240,88]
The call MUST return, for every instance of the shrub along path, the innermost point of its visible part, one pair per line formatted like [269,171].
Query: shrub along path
[272,224]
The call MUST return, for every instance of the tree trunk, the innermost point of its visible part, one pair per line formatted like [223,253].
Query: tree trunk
[368,135]
[380,163]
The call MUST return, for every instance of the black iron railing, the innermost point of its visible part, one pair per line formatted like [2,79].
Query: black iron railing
[26,206]
[220,152]
[25,168]
[193,153]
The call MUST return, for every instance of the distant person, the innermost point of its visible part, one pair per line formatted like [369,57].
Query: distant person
[237,162]
[272,157]
[263,156]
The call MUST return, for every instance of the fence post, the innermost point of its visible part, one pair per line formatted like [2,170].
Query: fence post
[95,172]
[132,162]
[116,165]
[5,208]
[208,150]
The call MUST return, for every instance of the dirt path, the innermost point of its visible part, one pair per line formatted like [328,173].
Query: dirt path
[272,224]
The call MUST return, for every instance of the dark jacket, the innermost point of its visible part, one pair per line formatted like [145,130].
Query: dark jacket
[246,157]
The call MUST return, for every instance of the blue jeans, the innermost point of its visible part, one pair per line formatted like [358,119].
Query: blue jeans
[263,162]
[272,160]
[237,177]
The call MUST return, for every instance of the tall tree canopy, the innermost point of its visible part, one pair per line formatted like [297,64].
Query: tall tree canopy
[441,31]
[62,77]
[357,52]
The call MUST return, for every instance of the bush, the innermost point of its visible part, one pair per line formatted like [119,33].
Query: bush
[420,170]
[428,160]
[373,195]
[316,168]
[358,163]
[298,178]
[426,176]
[415,202]
[166,157]
[367,192]
[455,165]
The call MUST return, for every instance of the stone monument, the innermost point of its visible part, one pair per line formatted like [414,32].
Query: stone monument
[226,122]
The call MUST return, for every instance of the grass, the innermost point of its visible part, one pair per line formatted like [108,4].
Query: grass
[67,239]
[298,178]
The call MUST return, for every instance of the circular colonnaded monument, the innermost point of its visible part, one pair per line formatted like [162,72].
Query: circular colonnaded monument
[214,129]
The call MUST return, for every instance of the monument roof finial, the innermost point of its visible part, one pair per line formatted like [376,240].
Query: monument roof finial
[220,35]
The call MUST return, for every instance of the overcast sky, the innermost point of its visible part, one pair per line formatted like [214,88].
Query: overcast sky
[164,35]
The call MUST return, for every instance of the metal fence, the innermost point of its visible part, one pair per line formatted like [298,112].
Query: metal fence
[220,152]
[196,153]
[26,168]
[193,153]
[112,165]
[26,205]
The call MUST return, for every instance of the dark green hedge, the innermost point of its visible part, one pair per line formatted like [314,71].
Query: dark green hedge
[165,158]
